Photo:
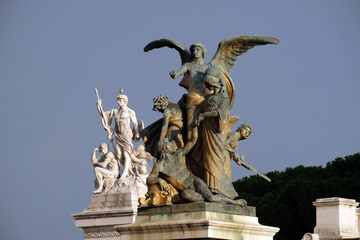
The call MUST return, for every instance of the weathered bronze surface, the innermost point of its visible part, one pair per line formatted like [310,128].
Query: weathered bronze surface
[193,142]
[200,206]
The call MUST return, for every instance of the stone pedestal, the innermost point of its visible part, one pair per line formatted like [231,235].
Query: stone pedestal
[105,212]
[336,218]
[197,221]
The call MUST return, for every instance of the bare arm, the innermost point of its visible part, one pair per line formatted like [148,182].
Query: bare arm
[165,126]
[135,159]
[135,123]
[99,107]
[153,178]
[107,158]
[234,154]
[94,159]
[190,144]
[184,68]
[208,114]
[106,118]
[109,114]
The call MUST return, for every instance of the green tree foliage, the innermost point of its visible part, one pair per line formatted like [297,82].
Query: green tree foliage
[286,201]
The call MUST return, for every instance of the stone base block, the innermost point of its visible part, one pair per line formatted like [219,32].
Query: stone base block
[336,218]
[197,221]
[106,211]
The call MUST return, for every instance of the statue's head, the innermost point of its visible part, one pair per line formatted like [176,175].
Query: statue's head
[122,99]
[160,103]
[245,130]
[165,146]
[104,148]
[195,47]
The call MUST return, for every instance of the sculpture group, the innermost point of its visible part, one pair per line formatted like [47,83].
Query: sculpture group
[192,143]
[133,162]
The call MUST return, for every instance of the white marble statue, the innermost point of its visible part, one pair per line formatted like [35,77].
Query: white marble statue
[106,167]
[140,159]
[122,131]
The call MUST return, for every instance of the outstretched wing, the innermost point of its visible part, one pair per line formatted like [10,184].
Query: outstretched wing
[184,53]
[230,49]
[228,52]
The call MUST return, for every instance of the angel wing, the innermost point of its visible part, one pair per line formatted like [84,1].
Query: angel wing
[230,49]
[228,52]
[185,55]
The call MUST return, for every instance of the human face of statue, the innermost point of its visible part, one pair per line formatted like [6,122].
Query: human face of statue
[245,132]
[196,52]
[169,146]
[121,102]
[104,149]
[158,108]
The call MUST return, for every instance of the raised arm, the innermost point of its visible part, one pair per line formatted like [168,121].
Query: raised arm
[106,119]
[190,144]
[165,126]
[184,68]
[99,107]
[94,159]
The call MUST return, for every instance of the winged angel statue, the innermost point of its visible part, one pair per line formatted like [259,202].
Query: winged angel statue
[211,94]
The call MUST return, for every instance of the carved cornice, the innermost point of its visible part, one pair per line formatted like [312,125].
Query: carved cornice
[91,215]
[100,234]
[195,225]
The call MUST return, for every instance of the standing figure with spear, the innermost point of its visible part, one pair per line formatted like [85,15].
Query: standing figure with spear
[122,131]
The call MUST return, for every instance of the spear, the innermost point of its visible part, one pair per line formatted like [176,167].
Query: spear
[101,109]
[106,125]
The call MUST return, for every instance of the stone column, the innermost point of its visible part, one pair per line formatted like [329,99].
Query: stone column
[336,218]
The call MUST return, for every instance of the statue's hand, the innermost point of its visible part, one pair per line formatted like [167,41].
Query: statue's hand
[239,158]
[96,150]
[164,185]
[195,123]
[109,136]
[172,74]
[137,136]
[201,117]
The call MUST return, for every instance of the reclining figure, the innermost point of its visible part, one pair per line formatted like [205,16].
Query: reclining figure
[171,182]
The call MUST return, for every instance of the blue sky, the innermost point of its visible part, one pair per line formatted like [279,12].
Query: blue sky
[301,96]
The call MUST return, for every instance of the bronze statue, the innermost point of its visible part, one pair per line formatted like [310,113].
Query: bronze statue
[171,182]
[170,126]
[172,120]
[211,94]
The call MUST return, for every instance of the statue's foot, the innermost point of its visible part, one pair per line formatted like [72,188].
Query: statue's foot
[98,191]
[240,202]
[191,195]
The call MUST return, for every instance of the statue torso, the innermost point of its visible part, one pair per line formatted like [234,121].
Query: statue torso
[193,79]
[174,171]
